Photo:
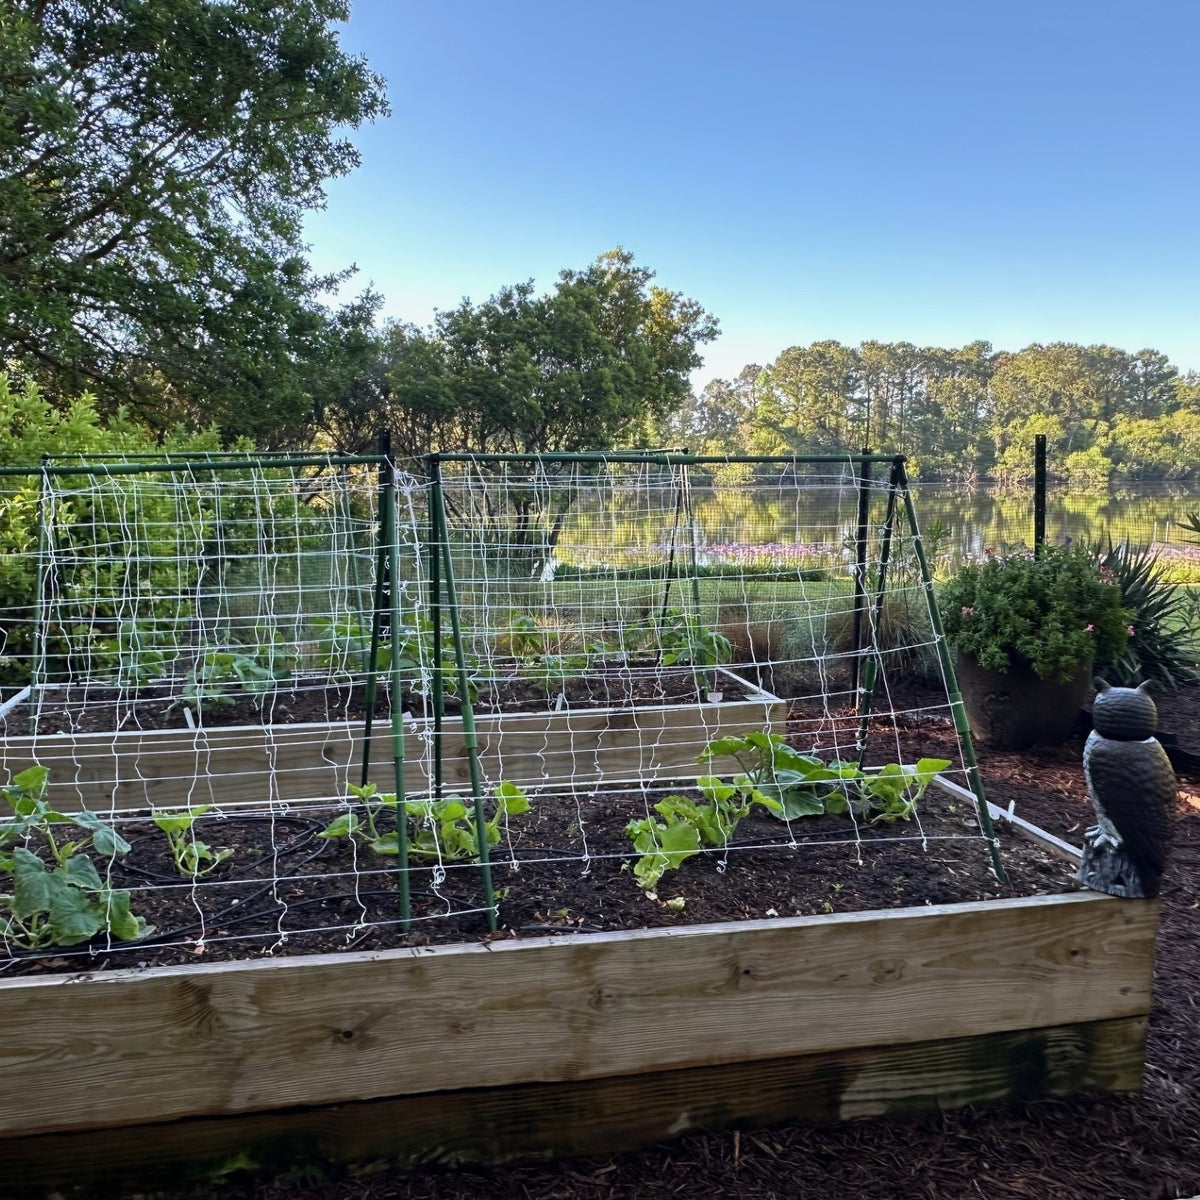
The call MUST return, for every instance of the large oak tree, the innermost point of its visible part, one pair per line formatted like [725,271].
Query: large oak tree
[156,160]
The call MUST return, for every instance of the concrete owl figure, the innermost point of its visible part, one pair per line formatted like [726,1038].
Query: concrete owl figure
[1133,791]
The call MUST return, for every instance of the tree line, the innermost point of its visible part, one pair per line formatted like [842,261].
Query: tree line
[157,158]
[960,413]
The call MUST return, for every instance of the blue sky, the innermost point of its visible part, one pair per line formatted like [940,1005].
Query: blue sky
[936,172]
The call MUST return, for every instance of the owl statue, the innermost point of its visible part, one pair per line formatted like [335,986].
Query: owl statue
[1132,787]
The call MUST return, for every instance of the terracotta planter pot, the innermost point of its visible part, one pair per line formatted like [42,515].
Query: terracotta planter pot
[1018,708]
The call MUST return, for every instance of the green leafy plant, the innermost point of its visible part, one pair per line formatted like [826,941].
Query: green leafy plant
[32,426]
[446,828]
[663,845]
[805,785]
[526,638]
[59,899]
[344,644]
[686,823]
[192,857]
[1056,611]
[440,829]
[209,683]
[139,654]
[540,658]
[682,640]
[1162,646]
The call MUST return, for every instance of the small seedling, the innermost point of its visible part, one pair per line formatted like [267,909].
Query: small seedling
[686,823]
[192,858]
[441,829]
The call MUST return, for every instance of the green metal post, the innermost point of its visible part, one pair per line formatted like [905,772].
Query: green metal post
[387,510]
[435,616]
[38,666]
[666,601]
[860,567]
[355,588]
[470,741]
[866,698]
[397,697]
[1039,493]
[957,708]
[685,484]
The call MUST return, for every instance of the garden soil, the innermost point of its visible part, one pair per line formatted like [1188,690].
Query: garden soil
[1086,1147]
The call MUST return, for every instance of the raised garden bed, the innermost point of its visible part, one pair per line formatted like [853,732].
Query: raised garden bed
[572,1042]
[123,769]
[545,1040]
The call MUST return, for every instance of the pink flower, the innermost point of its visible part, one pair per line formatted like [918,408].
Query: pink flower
[1129,630]
[968,610]
[1089,629]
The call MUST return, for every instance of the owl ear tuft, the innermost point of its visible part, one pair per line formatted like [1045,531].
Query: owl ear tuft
[1101,685]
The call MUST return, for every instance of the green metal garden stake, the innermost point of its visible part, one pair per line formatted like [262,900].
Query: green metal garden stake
[869,677]
[438,697]
[38,673]
[860,566]
[957,708]
[382,545]
[685,484]
[470,740]
[397,686]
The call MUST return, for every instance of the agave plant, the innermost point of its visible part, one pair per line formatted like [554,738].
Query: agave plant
[1162,643]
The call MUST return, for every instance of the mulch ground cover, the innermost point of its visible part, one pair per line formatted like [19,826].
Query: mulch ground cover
[1085,1147]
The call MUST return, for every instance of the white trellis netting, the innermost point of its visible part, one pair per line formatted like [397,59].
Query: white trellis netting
[200,652]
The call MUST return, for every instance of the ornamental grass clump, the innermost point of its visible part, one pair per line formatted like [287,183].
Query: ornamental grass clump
[1055,611]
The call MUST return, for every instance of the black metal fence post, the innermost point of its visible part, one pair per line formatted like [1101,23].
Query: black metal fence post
[1039,492]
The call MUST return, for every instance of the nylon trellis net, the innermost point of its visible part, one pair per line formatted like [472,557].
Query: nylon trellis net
[316,703]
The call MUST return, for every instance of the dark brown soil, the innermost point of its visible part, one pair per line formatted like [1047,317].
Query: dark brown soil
[93,708]
[564,868]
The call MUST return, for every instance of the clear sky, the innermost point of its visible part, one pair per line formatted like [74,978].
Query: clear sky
[933,171]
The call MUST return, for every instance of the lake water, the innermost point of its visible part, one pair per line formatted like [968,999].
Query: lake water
[974,518]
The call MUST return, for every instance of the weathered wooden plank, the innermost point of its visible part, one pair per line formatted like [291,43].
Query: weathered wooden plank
[254,766]
[593,1116]
[227,1038]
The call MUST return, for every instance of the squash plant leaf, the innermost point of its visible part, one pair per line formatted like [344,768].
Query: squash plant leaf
[106,839]
[121,922]
[33,885]
[80,871]
[74,916]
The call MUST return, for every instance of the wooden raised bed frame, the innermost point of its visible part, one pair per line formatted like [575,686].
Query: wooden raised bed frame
[567,1045]
[229,765]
